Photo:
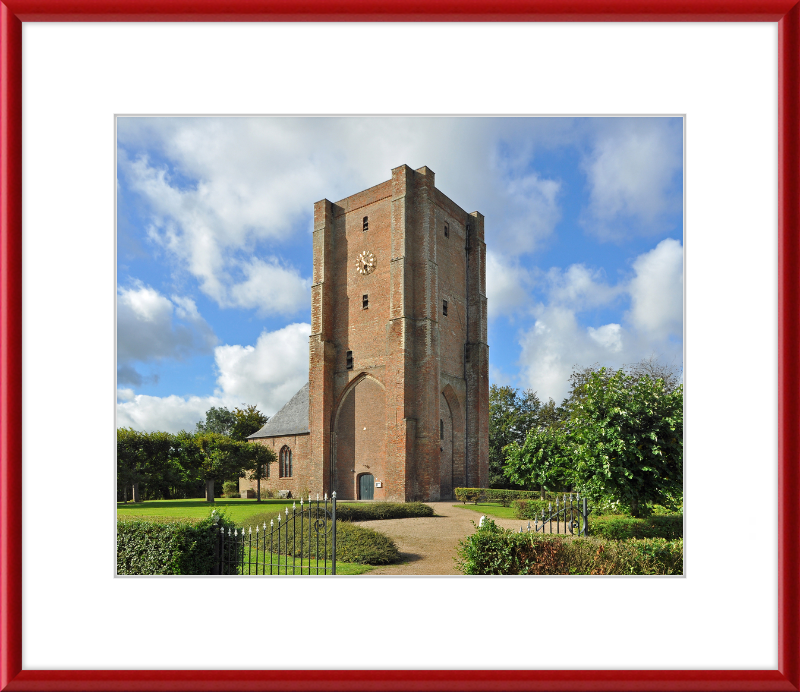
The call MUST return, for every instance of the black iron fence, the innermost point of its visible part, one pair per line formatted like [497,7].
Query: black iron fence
[569,516]
[300,541]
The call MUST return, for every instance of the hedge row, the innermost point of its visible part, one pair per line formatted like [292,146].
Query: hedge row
[145,546]
[493,550]
[382,510]
[505,497]
[621,528]
[353,543]
[532,509]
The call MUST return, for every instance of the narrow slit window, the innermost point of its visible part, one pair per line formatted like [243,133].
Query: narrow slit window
[365,301]
[446,231]
[366,223]
[349,360]
[444,308]
[466,352]
[441,429]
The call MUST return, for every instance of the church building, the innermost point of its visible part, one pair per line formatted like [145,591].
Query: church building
[397,403]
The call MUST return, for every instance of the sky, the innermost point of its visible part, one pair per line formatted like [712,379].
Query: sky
[584,236]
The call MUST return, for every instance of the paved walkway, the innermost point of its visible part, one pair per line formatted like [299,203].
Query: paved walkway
[428,544]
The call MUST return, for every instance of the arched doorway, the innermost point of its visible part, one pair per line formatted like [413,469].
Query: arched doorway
[446,450]
[360,438]
[366,486]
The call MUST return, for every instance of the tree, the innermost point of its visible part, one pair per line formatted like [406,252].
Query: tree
[216,457]
[627,436]
[218,420]
[511,415]
[541,461]
[246,421]
[256,460]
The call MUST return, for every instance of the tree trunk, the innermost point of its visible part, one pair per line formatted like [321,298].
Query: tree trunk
[136,496]
[210,491]
[635,507]
[258,491]
[541,492]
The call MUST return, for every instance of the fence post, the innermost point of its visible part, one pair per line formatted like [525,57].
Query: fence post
[333,532]
[585,519]
[215,567]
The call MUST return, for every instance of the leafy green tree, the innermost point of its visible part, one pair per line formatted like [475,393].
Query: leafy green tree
[216,458]
[542,461]
[626,432]
[247,420]
[131,462]
[256,460]
[511,415]
[218,420]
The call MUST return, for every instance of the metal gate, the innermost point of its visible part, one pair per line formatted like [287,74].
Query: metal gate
[569,517]
[302,541]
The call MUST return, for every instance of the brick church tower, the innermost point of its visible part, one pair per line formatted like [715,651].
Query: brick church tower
[398,374]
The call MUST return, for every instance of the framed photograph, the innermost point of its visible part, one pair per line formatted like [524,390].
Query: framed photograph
[731,623]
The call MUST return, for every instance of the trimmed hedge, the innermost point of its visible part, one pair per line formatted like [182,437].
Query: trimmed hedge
[382,510]
[504,497]
[621,528]
[493,550]
[353,543]
[145,546]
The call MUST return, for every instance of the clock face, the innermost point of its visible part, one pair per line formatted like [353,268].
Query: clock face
[365,263]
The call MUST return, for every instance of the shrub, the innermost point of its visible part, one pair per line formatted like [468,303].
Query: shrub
[230,489]
[158,546]
[492,550]
[620,528]
[353,543]
[504,497]
[382,510]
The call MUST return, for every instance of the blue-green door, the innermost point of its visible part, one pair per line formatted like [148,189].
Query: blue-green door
[366,486]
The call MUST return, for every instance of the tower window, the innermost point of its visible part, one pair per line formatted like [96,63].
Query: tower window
[366,223]
[444,308]
[466,352]
[365,301]
[349,360]
[446,231]
[441,429]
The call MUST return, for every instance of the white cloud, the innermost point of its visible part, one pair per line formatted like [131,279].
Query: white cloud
[633,172]
[271,289]
[580,287]
[152,327]
[507,285]
[267,375]
[657,291]
[608,337]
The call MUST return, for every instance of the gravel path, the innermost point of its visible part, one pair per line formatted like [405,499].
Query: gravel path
[428,544]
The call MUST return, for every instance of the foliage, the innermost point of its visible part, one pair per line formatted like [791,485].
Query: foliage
[255,462]
[532,509]
[503,496]
[543,459]
[171,547]
[620,528]
[218,420]
[511,414]
[363,545]
[230,489]
[246,421]
[493,550]
[382,510]
[626,433]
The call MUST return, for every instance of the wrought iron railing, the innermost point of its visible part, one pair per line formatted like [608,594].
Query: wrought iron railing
[299,542]
[572,516]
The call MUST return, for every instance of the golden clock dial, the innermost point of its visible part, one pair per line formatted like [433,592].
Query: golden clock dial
[365,263]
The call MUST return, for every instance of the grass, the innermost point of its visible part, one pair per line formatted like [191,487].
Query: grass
[491,509]
[238,510]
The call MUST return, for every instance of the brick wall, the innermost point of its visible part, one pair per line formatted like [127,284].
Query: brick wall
[304,477]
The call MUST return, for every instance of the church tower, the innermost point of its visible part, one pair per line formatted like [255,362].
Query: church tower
[398,374]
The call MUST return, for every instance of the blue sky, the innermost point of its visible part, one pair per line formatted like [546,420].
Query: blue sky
[584,234]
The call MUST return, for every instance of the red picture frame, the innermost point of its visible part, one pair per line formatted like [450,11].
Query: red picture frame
[14,12]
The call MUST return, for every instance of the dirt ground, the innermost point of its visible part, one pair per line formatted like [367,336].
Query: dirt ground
[428,544]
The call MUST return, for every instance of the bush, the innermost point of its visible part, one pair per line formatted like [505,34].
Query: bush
[620,528]
[158,546]
[492,550]
[382,510]
[230,489]
[504,497]
[353,543]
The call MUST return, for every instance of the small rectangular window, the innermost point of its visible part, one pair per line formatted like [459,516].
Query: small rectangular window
[366,223]
[349,360]
[365,302]
[446,231]
[444,307]
[466,352]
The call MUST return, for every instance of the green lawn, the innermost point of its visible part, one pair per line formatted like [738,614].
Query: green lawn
[238,510]
[492,509]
